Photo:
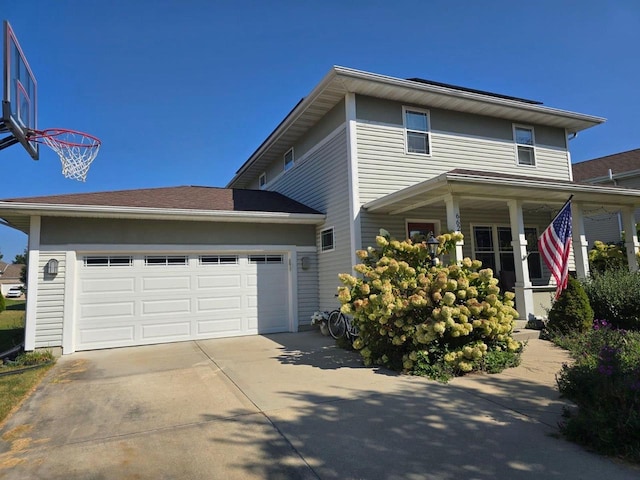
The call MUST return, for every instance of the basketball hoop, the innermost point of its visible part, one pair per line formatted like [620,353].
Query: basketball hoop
[76,149]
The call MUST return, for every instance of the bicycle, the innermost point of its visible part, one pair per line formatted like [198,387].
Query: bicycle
[340,325]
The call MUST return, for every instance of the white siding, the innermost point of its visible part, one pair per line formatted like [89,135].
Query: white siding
[320,181]
[307,287]
[384,167]
[50,303]
[604,227]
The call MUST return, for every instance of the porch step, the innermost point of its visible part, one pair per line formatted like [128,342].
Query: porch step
[522,333]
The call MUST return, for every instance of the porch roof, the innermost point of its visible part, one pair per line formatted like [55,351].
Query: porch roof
[472,185]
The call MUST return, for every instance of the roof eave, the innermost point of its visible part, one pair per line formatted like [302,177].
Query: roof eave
[148,213]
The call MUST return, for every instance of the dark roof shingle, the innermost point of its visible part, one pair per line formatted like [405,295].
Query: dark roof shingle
[184,197]
[599,167]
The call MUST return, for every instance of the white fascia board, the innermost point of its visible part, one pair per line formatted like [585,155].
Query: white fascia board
[530,183]
[290,119]
[159,213]
[449,179]
[359,74]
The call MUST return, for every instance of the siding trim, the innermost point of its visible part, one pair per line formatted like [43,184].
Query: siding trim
[354,184]
[307,154]
[68,315]
[32,284]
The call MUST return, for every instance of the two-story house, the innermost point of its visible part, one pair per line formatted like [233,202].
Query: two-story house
[620,169]
[361,152]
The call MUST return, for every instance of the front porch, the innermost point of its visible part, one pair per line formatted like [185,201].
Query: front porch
[501,217]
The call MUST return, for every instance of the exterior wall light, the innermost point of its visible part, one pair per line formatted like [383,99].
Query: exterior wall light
[433,244]
[51,268]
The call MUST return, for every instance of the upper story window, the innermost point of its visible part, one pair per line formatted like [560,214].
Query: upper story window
[327,240]
[417,137]
[288,159]
[525,145]
[262,181]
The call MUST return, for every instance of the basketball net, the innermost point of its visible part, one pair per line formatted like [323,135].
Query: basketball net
[76,149]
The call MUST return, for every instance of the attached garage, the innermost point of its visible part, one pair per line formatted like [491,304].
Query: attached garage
[162,265]
[126,300]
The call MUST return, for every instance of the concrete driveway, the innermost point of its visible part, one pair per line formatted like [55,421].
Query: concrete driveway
[289,406]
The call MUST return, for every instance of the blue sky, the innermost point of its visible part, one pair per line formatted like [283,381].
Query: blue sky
[181,92]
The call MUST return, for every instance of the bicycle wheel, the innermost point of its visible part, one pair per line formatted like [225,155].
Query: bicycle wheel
[336,323]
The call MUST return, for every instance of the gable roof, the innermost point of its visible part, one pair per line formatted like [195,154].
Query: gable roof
[185,203]
[341,80]
[598,168]
[10,272]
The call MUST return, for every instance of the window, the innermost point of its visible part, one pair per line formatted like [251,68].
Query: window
[152,260]
[525,145]
[288,159]
[218,259]
[417,138]
[262,181]
[327,241]
[108,261]
[419,231]
[266,259]
[492,246]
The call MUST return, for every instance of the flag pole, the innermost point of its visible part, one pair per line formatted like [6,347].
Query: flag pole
[562,208]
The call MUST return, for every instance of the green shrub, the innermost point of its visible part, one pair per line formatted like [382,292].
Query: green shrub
[603,257]
[604,383]
[3,304]
[615,297]
[36,357]
[572,311]
[437,321]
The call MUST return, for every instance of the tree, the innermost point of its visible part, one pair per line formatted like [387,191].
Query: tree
[21,257]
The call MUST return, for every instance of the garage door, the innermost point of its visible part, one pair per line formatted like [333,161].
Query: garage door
[125,300]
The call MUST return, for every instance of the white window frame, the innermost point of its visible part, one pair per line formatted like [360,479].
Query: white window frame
[169,260]
[217,259]
[111,261]
[523,145]
[427,133]
[262,180]
[266,259]
[289,165]
[333,240]
[436,224]
[496,244]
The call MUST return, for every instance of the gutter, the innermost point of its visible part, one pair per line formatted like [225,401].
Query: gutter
[149,213]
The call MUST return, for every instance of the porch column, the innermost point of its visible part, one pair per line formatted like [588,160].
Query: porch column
[580,244]
[630,238]
[454,224]
[523,287]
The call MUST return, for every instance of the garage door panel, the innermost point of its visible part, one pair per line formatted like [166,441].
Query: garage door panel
[107,335]
[107,310]
[166,284]
[219,281]
[108,285]
[166,307]
[166,330]
[139,304]
[219,304]
[220,325]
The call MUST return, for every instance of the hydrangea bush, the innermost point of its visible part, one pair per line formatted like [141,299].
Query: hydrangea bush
[438,321]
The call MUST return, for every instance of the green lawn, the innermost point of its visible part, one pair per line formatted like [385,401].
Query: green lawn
[14,388]
[12,324]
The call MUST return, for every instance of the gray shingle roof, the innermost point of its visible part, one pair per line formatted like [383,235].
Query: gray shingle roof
[599,167]
[184,197]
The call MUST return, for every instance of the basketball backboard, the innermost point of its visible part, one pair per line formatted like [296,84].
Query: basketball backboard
[20,96]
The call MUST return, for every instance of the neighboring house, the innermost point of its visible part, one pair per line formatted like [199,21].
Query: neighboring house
[619,169]
[10,276]
[361,152]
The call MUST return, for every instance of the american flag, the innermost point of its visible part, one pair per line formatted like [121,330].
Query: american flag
[555,244]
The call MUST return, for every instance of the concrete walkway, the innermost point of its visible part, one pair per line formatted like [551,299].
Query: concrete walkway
[289,406]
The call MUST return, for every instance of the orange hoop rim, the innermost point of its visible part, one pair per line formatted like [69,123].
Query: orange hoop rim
[53,134]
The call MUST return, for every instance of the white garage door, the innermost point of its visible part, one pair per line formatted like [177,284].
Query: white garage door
[125,300]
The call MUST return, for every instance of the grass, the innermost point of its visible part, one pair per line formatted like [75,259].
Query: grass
[12,324]
[14,388]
